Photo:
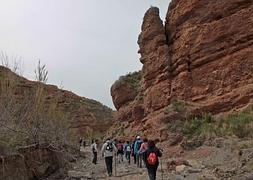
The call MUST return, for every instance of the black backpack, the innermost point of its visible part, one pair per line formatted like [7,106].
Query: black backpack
[109,147]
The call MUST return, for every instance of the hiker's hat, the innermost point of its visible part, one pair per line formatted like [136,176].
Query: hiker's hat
[138,137]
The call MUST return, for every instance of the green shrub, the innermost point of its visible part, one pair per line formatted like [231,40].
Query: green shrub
[177,106]
[194,127]
[132,80]
[239,124]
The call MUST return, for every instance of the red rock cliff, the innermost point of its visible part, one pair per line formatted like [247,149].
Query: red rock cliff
[202,55]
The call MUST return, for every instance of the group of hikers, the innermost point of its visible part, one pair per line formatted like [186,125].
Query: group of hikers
[144,153]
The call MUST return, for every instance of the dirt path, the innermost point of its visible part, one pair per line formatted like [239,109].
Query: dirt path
[217,159]
[84,169]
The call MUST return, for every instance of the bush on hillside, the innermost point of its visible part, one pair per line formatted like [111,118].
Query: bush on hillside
[238,124]
[177,106]
[133,80]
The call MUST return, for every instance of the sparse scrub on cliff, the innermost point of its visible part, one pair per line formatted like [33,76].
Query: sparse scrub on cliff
[118,130]
[176,105]
[139,96]
[241,124]
[238,124]
[132,80]
[101,111]
[194,127]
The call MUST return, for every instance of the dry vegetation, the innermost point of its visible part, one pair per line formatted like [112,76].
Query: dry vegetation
[24,120]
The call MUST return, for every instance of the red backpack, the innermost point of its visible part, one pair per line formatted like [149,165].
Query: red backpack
[152,158]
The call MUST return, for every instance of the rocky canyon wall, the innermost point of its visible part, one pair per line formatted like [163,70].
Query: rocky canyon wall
[202,55]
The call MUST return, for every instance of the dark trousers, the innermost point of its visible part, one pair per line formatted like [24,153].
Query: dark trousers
[128,154]
[108,162]
[95,155]
[135,158]
[152,172]
[139,160]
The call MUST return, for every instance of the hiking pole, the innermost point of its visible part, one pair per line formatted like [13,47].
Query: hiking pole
[115,166]
[161,163]
[162,167]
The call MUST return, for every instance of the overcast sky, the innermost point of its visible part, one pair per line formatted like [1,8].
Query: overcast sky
[85,44]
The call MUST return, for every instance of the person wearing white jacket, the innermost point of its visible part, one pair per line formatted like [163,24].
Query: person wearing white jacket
[108,149]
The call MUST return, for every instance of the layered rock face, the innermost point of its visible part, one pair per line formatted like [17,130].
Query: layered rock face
[211,45]
[202,55]
[84,115]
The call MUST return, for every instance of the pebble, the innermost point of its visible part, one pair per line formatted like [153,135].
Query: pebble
[180,168]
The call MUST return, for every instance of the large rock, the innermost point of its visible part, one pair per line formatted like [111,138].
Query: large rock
[125,89]
[32,162]
[128,97]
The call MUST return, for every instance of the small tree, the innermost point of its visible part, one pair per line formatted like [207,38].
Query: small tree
[41,73]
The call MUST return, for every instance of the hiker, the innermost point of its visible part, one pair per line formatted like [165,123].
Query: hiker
[127,150]
[120,151]
[124,148]
[82,142]
[137,146]
[132,151]
[94,151]
[151,159]
[82,147]
[143,148]
[107,151]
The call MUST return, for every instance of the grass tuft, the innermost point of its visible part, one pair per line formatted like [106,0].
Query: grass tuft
[238,124]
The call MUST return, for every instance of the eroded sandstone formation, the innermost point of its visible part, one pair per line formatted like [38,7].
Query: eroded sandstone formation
[203,55]
[211,52]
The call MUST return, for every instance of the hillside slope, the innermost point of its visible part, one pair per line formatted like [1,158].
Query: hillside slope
[85,116]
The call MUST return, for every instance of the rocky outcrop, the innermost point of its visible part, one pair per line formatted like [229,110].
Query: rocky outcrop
[85,116]
[126,89]
[211,52]
[203,56]
[32,162]
[128,97]
[155,58]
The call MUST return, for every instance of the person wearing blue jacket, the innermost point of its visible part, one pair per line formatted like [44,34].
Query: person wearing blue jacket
[137,146]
